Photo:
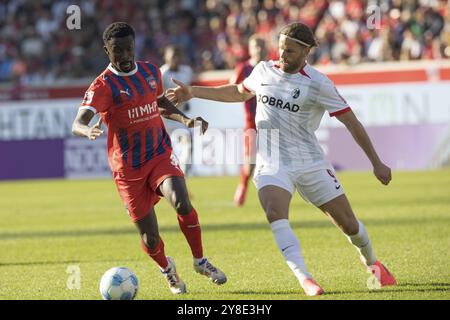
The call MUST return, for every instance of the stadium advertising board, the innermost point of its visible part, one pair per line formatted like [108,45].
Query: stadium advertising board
[408,123]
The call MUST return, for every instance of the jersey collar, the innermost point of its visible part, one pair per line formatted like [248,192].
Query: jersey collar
[123,74]
[302,70]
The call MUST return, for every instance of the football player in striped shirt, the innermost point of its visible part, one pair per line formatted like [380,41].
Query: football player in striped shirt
[129,97]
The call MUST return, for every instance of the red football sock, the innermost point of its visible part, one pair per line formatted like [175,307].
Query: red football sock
[190,227]
[157,253]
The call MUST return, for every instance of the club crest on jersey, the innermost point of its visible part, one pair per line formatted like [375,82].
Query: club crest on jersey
[296,93]
[152,82]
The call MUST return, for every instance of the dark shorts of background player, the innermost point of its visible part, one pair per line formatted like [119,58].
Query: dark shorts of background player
[138,188]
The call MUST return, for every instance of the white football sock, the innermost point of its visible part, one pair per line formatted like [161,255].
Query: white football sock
[290,248]
[362,243]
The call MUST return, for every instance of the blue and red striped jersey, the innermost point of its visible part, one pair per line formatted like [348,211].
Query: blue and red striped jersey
[127,103]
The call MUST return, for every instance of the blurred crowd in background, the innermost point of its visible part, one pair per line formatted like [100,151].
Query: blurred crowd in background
[36,47]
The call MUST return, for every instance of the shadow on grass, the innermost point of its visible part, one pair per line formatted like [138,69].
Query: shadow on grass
[37,263]
[403,287]
[252,292]
[210,228]
[437,284]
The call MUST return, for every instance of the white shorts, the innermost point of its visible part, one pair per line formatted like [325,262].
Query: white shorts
[318,187]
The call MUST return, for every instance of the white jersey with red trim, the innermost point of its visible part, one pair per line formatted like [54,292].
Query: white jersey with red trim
[294,105]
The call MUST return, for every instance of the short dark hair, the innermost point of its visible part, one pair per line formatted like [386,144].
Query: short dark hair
[300,31]
[118,30]
[171,47]
[256,37]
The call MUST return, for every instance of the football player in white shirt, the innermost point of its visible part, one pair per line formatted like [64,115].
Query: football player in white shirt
[292,97]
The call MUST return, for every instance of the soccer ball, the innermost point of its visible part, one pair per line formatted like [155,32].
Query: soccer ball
[119,283]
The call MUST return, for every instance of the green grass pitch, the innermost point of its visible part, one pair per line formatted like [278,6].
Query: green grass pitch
[47,226]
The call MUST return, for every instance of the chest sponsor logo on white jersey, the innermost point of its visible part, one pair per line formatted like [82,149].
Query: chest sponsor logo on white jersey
[141,111]
[278,103]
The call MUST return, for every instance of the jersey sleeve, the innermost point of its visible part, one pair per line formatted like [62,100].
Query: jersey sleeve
[251,82]
[97,98]
[331,100]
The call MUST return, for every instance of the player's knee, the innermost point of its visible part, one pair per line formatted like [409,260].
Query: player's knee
[273,213]
[247,169]
[350,227]
[182,205]
[150,240]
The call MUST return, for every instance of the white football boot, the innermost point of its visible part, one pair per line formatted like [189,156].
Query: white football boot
[211,272]
[176,285]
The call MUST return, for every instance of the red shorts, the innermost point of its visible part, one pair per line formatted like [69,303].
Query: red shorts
[137,188]
[250,145]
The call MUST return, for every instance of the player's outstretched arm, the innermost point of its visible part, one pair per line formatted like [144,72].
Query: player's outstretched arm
[80,126]
[380,170]
[225,93]
[169,111]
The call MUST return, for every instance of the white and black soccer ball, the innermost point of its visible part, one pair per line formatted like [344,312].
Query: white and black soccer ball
[119,283]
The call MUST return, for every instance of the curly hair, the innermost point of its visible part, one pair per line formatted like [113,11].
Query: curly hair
[118,30]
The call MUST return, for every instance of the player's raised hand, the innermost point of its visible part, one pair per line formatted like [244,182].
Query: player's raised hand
[198,121]
[95,131]
[181,93]
[383,173]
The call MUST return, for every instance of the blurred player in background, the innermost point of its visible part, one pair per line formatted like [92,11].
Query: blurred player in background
[257,52]
[173,68]
[129,97]
[292,97]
